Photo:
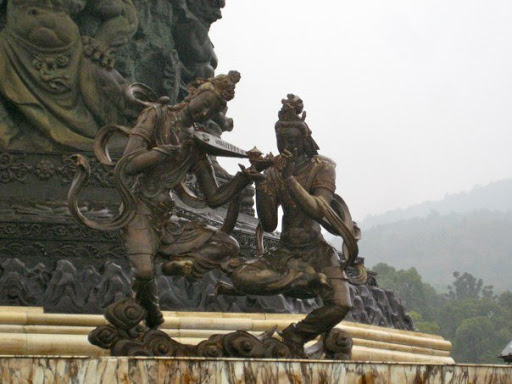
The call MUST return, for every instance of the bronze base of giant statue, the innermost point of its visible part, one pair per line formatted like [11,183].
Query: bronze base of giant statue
[49,260]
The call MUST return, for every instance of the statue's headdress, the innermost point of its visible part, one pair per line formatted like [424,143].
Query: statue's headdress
[292,115]
[223,85]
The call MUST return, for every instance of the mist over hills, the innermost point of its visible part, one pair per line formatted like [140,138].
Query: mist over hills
[466,232]
[477,242]
[496,196]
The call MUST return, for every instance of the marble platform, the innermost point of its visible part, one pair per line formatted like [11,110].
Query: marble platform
[77,370]
[30,331]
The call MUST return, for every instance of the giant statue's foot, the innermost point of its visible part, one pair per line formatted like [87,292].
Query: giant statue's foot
[146,294]
[125,335]
[222,288]
[178,268]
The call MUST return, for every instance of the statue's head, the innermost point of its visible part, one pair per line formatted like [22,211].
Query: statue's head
[207,11]
[292,132]
[208,97]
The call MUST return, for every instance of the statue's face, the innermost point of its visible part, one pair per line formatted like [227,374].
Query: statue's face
[205,105]
[42,26]
[290,139]
[208,11]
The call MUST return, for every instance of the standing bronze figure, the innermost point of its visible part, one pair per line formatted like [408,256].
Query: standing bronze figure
[162,149]
[303,183]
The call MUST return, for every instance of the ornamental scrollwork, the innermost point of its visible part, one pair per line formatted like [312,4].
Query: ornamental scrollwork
[45,169]
[12,168]
[18,166]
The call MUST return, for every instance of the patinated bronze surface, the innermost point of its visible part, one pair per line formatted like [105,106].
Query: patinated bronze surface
[58,87]
[163,148]
[126,336]
[303,183]
[194,47]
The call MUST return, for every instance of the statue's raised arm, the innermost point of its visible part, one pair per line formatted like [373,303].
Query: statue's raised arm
[119,21]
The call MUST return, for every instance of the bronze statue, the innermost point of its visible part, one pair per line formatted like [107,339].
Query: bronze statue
[303,183]
[60,85]
[163,148]
[190,32]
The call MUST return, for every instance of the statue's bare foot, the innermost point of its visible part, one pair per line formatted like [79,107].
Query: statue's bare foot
[322,281]
[316,282]
[178,268]
[222,288]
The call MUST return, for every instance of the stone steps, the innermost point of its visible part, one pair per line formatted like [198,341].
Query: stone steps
[30,331]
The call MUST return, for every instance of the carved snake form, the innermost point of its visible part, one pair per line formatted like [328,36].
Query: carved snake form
[82,175]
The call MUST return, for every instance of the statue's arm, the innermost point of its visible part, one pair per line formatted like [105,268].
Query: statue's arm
[266,204]
[215,195]
[146,157]
[140,153]
[119,21]
[322,192]
[309,203]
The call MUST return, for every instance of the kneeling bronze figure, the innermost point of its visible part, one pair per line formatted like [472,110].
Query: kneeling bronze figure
[303,183]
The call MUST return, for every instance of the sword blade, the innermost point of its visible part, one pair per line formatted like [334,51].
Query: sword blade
[215,146]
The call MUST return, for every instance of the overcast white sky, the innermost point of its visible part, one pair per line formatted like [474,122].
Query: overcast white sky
[411,98]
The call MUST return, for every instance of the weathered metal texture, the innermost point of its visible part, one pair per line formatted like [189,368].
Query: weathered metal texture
[72,81]
[48,259]
[82,286]
[46,256]
[67,268]
[125,335]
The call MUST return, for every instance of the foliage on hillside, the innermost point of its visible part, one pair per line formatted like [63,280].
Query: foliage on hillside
[470,315]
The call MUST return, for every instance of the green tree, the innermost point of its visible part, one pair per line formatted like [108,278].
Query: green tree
[410,288]
[470,315]
[476,341]
[466,286]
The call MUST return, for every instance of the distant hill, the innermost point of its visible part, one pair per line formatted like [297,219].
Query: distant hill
[496,196]
[466,232]
[437,245]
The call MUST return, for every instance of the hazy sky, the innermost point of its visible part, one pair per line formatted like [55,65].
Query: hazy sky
[411,98]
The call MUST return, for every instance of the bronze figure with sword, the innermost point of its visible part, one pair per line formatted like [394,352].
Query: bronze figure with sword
[163,147]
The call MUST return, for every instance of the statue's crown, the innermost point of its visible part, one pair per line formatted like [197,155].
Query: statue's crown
[292,114]
[291,109]
[222,85]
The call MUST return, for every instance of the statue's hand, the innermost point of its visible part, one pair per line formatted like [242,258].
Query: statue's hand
[98,52]
[261,163]
[251,173]
[287,163]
